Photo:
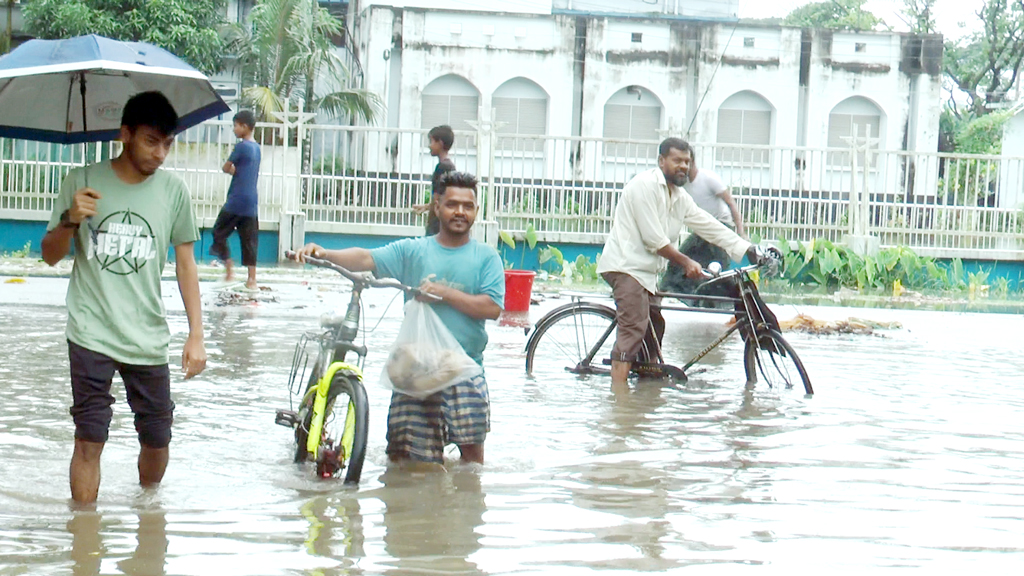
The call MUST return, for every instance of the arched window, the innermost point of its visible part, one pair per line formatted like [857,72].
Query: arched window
[522,107]
[855,116]
[450,100]
[632,113]
[744,118]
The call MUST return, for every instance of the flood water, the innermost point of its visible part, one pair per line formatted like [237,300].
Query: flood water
[910,454]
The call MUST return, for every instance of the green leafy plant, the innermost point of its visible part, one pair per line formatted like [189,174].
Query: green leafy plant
[23,253]
[580,270]
[822,263]
[530,236]
[1001,287]
[977,283]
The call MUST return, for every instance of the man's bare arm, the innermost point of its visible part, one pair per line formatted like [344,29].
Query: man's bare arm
[228,168]
[56,244]
[476,306]
[690,266]
[355,259]
[736,218]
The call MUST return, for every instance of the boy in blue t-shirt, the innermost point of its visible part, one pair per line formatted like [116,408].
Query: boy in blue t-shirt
[470,280]
[240,211]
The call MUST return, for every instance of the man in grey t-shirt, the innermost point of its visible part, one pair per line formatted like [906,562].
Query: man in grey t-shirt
[711,194]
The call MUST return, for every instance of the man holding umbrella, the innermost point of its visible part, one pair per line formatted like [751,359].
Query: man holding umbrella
[122,216]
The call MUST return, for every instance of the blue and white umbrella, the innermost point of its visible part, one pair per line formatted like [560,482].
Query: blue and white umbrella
[72,91]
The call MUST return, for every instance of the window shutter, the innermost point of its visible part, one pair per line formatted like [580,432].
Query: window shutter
[730,126]
[506,110]
[646,120]
[533,116]
[616,121]
[463,109]
[757,127]
[843,126]
[840,127]
[435,110]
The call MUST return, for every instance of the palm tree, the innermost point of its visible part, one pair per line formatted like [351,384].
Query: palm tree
[285,50]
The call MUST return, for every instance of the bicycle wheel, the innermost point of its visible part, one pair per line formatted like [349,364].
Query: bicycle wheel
[343,439]
[576,337]
[774,361]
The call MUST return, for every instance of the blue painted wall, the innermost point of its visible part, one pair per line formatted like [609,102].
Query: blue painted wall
[15,233]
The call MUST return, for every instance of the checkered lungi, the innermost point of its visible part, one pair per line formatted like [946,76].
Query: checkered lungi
[420,429]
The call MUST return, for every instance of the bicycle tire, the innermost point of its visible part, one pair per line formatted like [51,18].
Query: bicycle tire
[568,333]
[775,360]
[354,419]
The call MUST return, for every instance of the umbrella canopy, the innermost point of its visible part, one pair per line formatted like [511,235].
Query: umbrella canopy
[72,91]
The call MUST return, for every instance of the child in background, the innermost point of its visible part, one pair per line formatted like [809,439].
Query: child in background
[240,211]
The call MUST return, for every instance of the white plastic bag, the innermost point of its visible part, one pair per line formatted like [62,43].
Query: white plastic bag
[425,357]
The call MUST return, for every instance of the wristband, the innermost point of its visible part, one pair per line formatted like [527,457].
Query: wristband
[65,221]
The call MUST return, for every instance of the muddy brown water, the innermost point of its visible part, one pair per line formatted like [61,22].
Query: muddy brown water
[909,455]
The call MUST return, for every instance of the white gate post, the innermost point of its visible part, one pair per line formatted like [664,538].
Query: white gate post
[291,231]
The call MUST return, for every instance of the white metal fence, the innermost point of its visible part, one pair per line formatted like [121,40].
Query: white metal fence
[361,180]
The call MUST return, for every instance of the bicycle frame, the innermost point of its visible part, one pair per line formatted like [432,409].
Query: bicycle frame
[750,319]
[340,343]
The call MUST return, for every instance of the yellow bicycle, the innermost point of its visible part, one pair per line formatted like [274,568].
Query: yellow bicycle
[332,416]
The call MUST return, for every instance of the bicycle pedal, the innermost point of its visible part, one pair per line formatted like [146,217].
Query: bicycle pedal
[286,418]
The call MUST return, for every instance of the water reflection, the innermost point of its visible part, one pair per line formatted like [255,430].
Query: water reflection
[335,531]
[88,548]
[431,520]
[234,332]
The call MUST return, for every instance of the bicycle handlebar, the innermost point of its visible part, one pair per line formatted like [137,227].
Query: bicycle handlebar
[360,279]
[714,272]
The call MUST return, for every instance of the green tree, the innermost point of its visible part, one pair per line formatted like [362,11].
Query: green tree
[286,53]
[919,16]
[986,64]
[834,15]
[186,28]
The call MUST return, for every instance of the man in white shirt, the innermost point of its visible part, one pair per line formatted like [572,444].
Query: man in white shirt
[650,214]
[710,193]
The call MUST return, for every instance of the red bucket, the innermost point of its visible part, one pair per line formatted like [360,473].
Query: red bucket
[518,289]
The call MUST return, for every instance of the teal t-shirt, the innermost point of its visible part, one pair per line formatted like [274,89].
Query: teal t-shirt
[473,268]
[115,306]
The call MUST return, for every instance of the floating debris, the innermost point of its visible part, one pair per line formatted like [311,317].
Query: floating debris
[14,281]
[804,323]
[244,296]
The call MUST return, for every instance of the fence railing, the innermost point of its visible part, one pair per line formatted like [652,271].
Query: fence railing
[363,180]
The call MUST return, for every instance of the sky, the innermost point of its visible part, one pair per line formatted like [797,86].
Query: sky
[948,13]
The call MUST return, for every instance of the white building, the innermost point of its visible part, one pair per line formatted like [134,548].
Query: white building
[642,70]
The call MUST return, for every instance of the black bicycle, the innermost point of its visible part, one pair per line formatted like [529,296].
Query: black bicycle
[580,335]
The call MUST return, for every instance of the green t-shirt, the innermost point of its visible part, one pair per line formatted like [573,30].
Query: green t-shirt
[115,306]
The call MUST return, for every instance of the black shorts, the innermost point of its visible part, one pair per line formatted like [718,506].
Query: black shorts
[148,390]
[248,235]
